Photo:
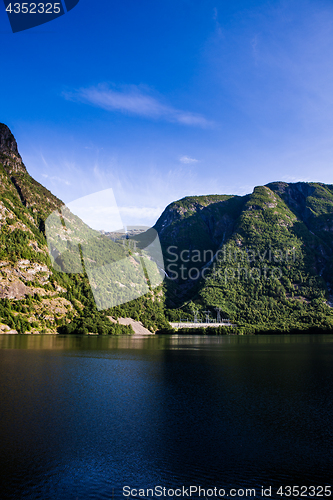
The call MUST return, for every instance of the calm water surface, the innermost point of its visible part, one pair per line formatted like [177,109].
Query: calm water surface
[81,417]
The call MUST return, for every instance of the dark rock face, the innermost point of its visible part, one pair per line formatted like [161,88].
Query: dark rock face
[295,196]
[16,178]
[7,140]
[9,155]
[169,216]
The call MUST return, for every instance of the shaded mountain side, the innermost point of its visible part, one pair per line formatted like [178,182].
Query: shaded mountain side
[269,267]
[312,204]
[192,230]
[34,296]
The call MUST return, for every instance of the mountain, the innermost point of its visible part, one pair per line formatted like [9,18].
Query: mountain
[263,260]
[35,296]
[16,180]
[29,294]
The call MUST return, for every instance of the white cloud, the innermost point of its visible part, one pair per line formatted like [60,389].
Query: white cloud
[57,179]
[136,101]
[187,159]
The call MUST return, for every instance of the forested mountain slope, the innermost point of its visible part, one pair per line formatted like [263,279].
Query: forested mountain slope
[34,296]
[269,256]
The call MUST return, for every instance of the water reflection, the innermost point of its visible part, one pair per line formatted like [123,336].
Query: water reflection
[89,342]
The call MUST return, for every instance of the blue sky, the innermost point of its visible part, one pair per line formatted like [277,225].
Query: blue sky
[159,100]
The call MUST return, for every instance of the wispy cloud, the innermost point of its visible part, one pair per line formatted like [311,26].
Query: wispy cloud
[57,179]
[135,100]
[187,159]
[53,177]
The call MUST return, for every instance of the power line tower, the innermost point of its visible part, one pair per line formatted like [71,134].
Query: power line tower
[195,316]
[218,318]
[207,316]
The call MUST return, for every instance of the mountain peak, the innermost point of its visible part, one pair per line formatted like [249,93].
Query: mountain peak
[7,140]
[9,155]
[14,177]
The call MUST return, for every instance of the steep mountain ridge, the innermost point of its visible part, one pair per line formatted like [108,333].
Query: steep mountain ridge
[34,296]
[17,180]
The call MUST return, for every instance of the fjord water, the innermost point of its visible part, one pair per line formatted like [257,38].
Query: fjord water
[81,417]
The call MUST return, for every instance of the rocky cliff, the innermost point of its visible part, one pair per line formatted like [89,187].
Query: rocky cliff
[35,296]
[32,298]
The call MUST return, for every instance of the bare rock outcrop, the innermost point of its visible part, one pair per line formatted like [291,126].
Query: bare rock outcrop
[137,326]
[13,290]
